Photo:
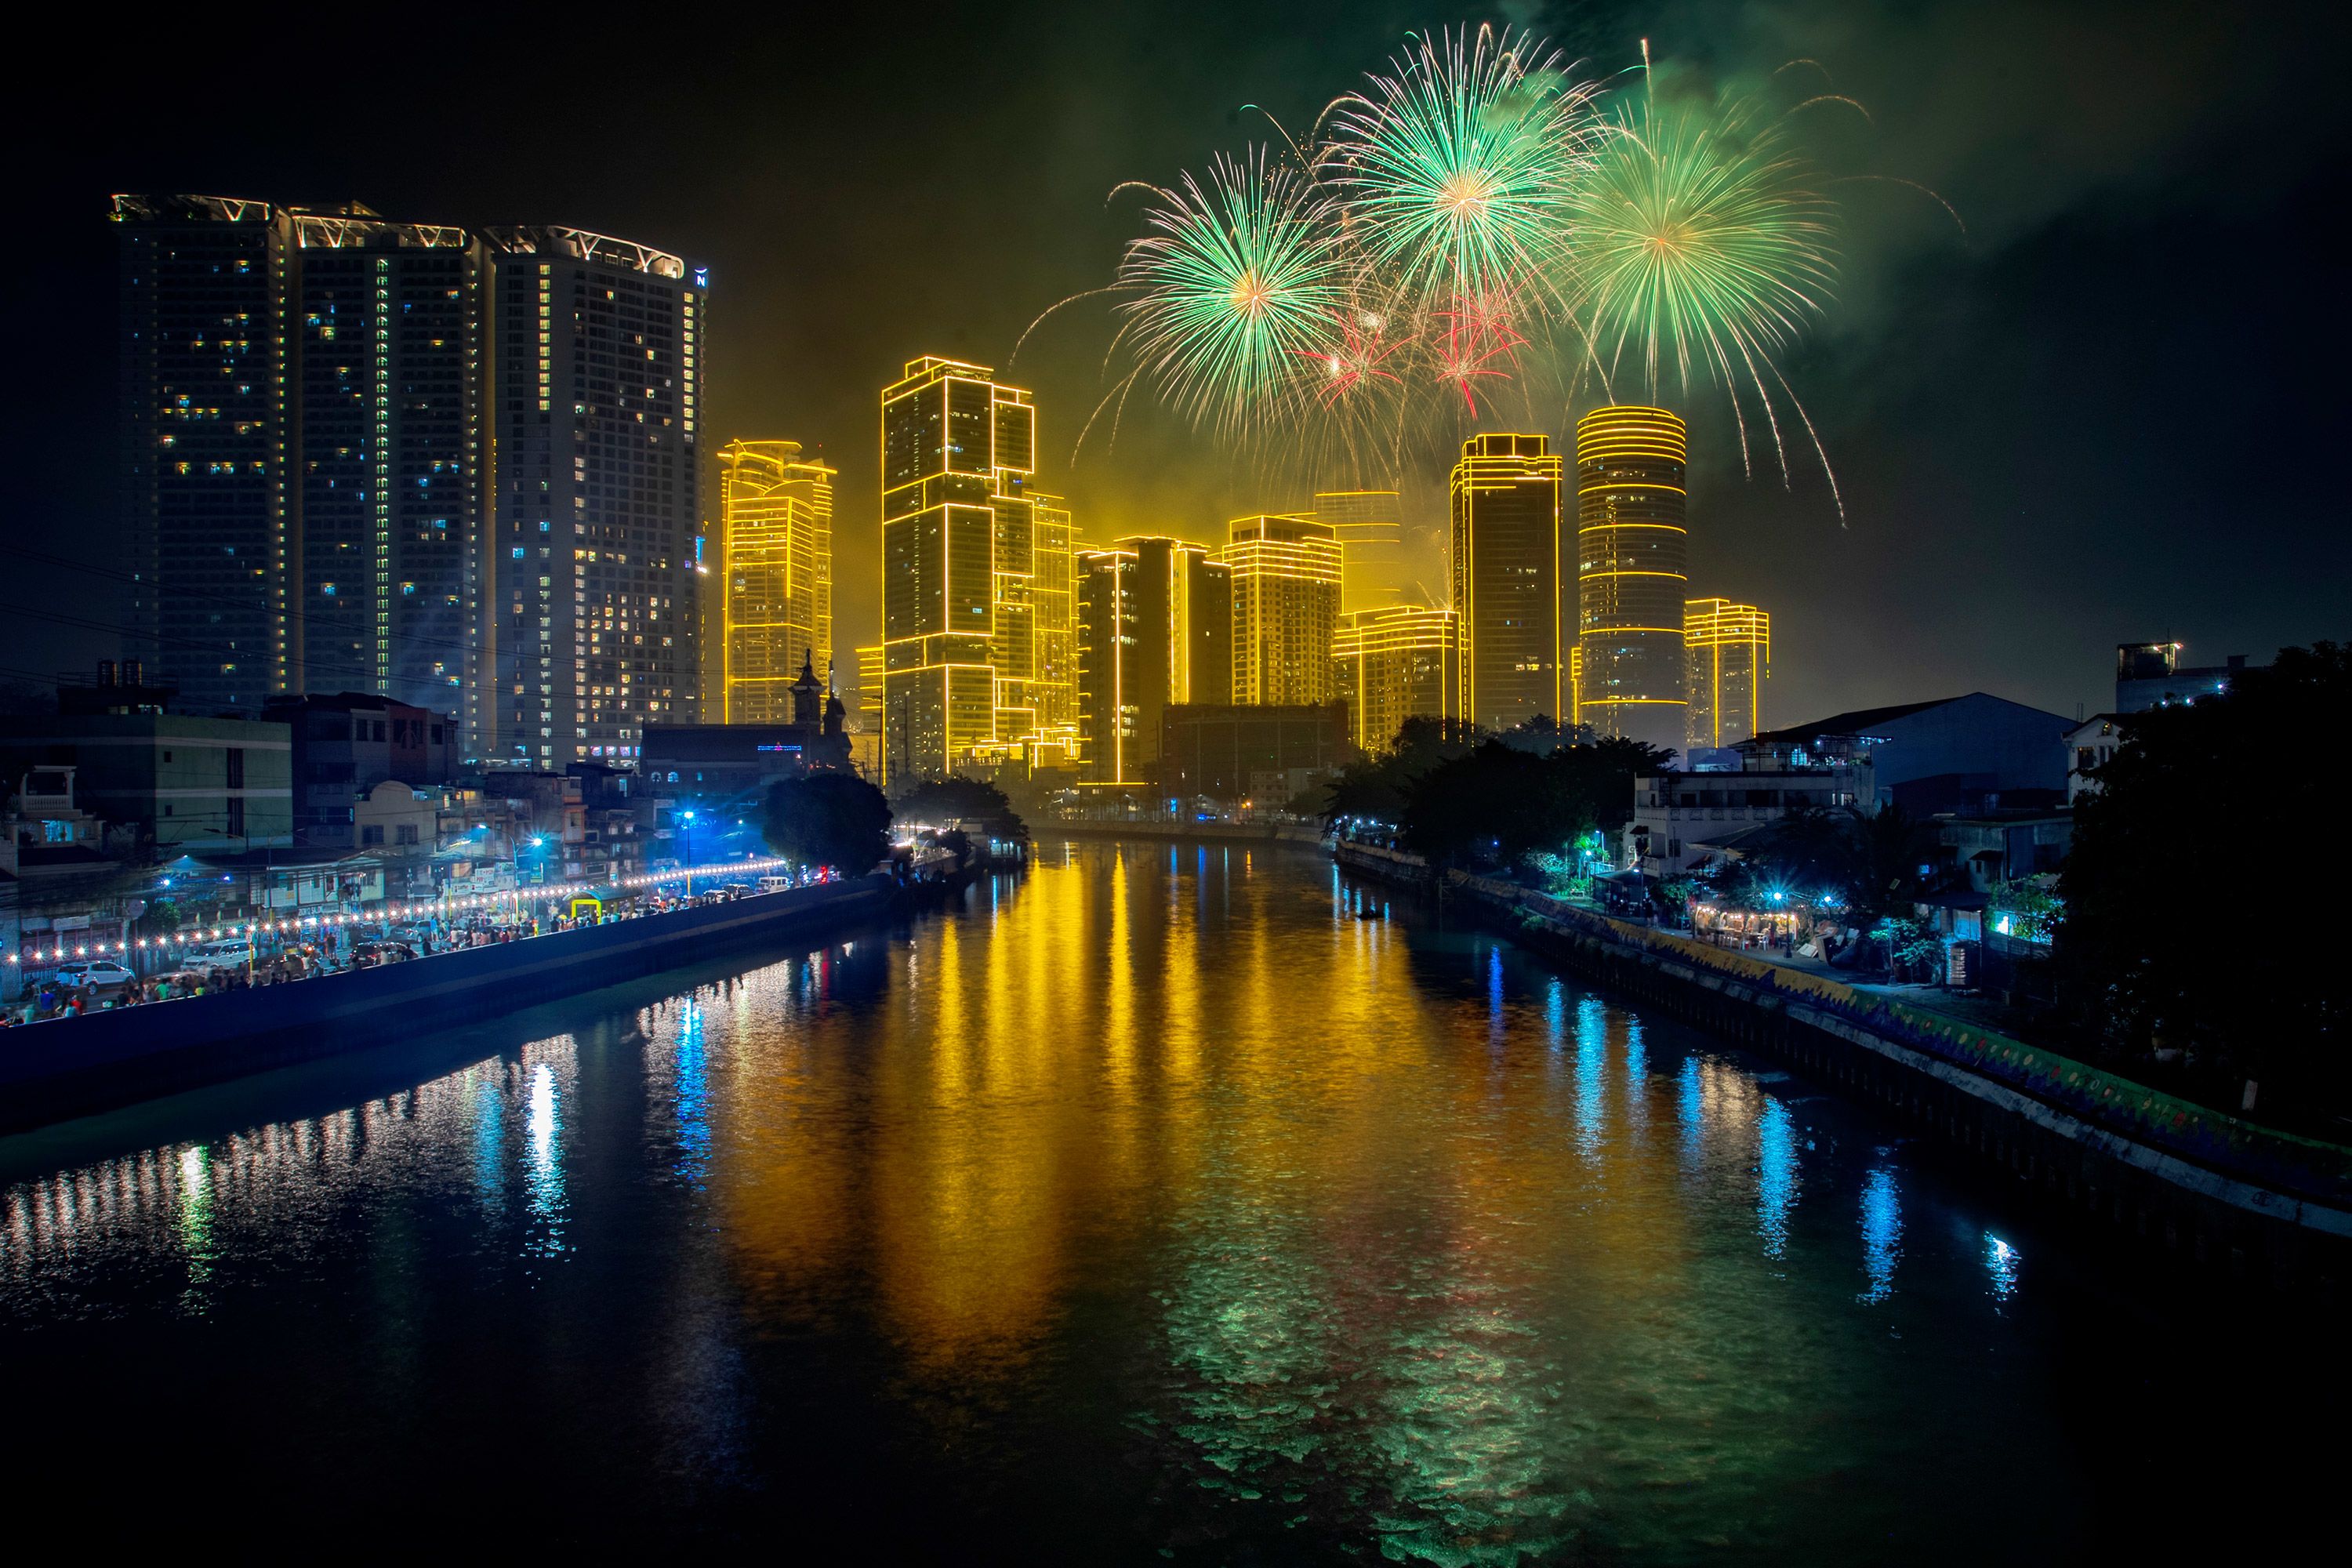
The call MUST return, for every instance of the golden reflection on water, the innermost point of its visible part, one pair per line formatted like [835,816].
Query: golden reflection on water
[1404,1240]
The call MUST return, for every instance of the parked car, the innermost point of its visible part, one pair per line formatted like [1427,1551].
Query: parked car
[216,957]
[97,974]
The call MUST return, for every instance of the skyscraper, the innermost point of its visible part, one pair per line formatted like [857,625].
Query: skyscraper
[1396,663]
[1051,590]
[597,355]
[1182,630]
[1632,548]
[958,564]
[1727,657]
[389,453]
[1507,587]
[324,491]
[1370,526]
[304,449]
[775,528]
[1112,651]
[1286,588]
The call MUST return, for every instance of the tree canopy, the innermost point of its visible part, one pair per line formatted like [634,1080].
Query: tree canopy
[961,799]
[1500,802]
[833,819]
[2157,946]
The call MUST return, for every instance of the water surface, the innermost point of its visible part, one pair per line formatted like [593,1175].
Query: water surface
[1153,1204]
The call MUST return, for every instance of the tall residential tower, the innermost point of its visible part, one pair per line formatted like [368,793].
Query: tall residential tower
[597,362]
[775,511]
[1631,549]
[1286,596]
[1507,588]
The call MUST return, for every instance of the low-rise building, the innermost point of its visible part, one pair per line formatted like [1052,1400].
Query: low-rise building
[2090,746]
[2150,675]
[1682,820]
[348,745]
[176,782]
[1992,850]
[1217,750]
[1956,753]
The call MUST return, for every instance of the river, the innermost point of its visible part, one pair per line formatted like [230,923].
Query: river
[1152,1205]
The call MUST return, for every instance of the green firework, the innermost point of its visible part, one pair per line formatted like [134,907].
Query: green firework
[1457,164]
[1696,241]
[1234,286]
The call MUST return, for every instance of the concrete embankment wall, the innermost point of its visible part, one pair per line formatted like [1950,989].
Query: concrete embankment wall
[74,1067]
[2124,1159]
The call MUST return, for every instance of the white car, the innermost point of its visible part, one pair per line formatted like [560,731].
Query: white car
[97,973]
[214,957]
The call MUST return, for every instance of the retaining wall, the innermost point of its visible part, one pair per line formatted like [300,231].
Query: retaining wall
[74,1067]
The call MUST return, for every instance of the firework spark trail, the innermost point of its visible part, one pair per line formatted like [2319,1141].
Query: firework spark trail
[1236,282]
[1699,241]
[1457,164]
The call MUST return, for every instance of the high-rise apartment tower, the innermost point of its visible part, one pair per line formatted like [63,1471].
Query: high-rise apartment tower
[1397,663]
[775,511]
[1286,588]
[963,578]
[1632,554]
[1507,587]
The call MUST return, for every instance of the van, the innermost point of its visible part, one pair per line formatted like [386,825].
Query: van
[214,957]
[774,884]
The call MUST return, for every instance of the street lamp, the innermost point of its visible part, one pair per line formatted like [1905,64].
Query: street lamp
[689,854]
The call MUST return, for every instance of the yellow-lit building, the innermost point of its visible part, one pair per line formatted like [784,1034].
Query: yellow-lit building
[1051,589]
[775,529]
[1113,651]
[1507,587]
[1370,526]
[867,745]
[963,578]
[1632,573]
[1727,657]
[1396,663]
[1286,597]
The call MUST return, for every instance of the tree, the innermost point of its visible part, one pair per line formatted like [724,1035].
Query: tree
[959,799]
[2165,943]
[1374,788]
[1500,802]
[833,819]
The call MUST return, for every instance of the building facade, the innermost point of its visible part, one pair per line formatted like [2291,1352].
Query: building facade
[206,453]
[389,455]
[180,782]
[455,468]
[1632,573]
[1507,589]
[1726,658]
[588,581]
[2150,675]
[775,546]
[1286,605]
[1370,526]
[1220,751]
[958,564]
[1113,654]
[1397,663]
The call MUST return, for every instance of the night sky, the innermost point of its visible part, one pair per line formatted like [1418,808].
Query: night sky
[2112,410]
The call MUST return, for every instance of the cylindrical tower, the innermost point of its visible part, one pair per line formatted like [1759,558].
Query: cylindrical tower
[1632,573]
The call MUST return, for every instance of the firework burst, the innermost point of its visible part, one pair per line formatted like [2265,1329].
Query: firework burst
[1456,165]
[1235,283]
[1698,247]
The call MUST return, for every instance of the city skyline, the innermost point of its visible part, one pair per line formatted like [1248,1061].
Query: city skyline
[2054,260]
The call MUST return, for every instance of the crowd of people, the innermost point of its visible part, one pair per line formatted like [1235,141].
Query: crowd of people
[60,994]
